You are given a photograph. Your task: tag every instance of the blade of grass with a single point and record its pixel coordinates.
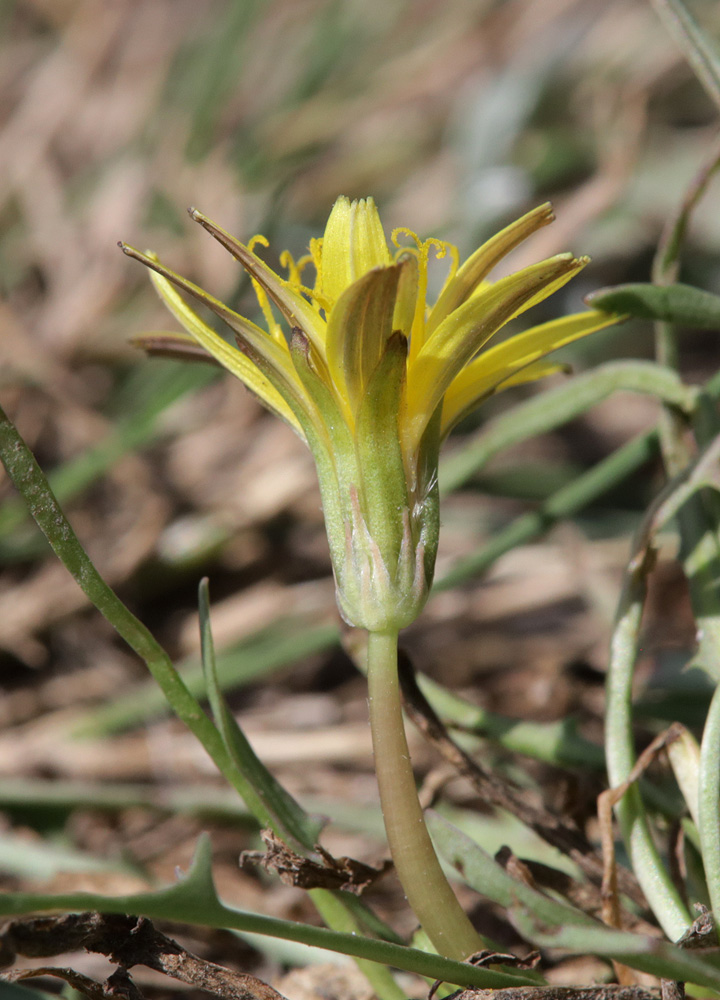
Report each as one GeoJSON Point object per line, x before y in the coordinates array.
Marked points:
{"type": "Point", "coordinates": [38, 795]}
{"type": "Point", "coordinates": [708, 799]}
{"type": "Point", "coordinates": [486, 876]}
{"type": "Point", "coordinates": [672, 303]}
{"type": "Point", "coordinates": [273, 806]}
{"type": "Point", "coordinates": [700, 518]}
{"type": "Point", "coordinates": [647, 954]}
{"type": "Point", "coordinates": [555, 743]}
{"type": "Point", "coordinates": [42, 860]}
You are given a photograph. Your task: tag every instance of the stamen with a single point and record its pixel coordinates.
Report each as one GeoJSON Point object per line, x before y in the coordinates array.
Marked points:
{"type": "Point", "coordinates": [294, 272]}
{"type": "Point", "coordinates": [404, 231]}
{"type": "Point", "coordinates": [287, 261]}
{"type": "Point", "coordinates": [303, 262]}
{"type": "Point", "coordinates": [422, 249]}
{"type": "Point", "coordinates": [274, 328]}
{"type": "Point", "coordinates": [258, 238]}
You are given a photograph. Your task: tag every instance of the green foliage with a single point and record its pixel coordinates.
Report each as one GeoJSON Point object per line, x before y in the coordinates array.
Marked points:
{"type": "Point", "coordinates": [273, 807]}
{"type": "Point", "coordinates": [680, 304]}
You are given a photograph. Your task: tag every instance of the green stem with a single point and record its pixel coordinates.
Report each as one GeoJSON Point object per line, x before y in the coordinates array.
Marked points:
{"type": "Point", "coordinates": [709, 797]}
{"type": "Point", "coordinates": [651, 872]}
{"type": "Point", "coordinates": [426, 888]}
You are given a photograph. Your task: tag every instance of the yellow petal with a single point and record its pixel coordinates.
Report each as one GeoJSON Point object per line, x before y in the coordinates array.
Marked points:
{"type": "Point", "coordinates": [354, 243]}
{"type": "Point", "coordinates": [516, 360]}
{"type": "Point", "coordinates": [533, 372]}
{"type": "Point", "coordinates": [478, 265]}
{"type": "Point", "coordinates": [407, 295]}
{"type": "Point", "coordinates": [296, 309]}
{"type": "Point", "coordinates": [470, 388]}
{"type": "Point", "coordinates": [228, 356]}
{"type": "Point", "coordinates": [461, 335]}
{"type": "Point", "coordinates": [278, 372]}
{"type": "Point", "coordinates": [359, 326]}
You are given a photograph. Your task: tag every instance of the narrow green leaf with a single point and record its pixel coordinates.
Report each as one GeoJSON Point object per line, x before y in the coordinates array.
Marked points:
{"type": "Point", "coordinates": [708, 798]}
{"type": "Point", "coordinates": [336, 910]}
{"type": "Point", "coordinates": [645, 953]}
{"type": "Point", "coordinates": [570, 500]}
{"type": "Point", "coordinates": [485, 875]}
{"type": "Point", "coordinates": [194, 900]}
{"type": "Point", "coordinates": [269, 802]}
{"type": "Point", "coordinates": [648, 865]}
{"type": "Point", "coordinates": [678, 303]}
{"type": "Point", "coordinates": [43, 859]}
{"type": "Point", "coordinates": [200, 799]}
{"type": "Point", "coordinates": [556, 743]}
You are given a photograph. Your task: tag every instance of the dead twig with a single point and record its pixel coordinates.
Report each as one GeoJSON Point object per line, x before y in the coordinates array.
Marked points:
{"type": "Point", "coordinates": [702, 933]}
{"type": "Point", "coordinates": [118, 985]}
{"type": "Point", "coordinates": [607, 801]}
{"type": "Point", "coordinates": [304, 873]}
{"type": "Point", "coordinates": [127, 941]}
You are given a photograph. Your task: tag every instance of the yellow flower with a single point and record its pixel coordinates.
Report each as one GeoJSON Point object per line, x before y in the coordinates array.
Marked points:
{"type": "Point", "coordinates": [374, 379]}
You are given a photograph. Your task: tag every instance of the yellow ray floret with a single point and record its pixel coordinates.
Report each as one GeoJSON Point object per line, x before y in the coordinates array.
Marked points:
{"type": "Point", "coordinates": [515, 361]}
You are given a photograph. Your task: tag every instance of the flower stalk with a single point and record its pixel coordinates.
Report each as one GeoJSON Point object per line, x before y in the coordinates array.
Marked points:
{"type": "Point", "coordinates": [423, 880]}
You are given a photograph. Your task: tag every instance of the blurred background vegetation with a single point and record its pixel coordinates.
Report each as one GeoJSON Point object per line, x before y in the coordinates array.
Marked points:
{"type": "Point", "coordinates": [455, 116]}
